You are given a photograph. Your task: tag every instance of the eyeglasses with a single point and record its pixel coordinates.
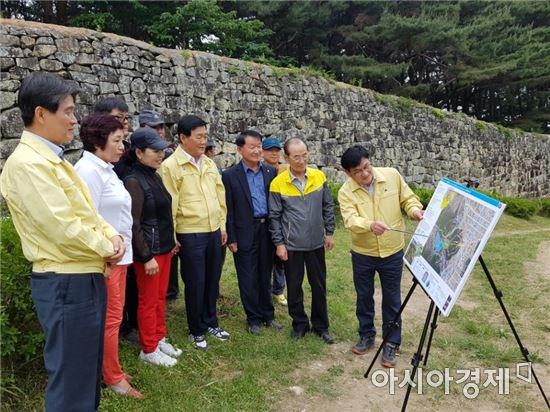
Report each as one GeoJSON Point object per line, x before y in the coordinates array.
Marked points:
{"type": "Point", "coordinates": [123, 118]}
{"type": "Point", "coordinates": [297, 158]}
{"type": "Point", "coordinates": [359, 171]}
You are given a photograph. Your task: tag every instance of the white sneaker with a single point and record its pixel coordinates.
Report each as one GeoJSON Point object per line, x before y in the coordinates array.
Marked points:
{"type": "Point", "coordinates": [168, 349]}
{"type": "Point", "coordinates": [198, 341]}
{"type": "Point", "coordinates": [219, 333]}
{"type": "Point", "coordinates": [157, 358]}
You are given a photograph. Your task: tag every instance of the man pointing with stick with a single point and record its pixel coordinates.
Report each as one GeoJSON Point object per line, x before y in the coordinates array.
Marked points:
{"type": "Point", "coordinates": [371, 201]}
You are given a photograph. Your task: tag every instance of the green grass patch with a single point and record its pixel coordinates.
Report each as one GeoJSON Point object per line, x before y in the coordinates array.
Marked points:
{"type": "Point", "coordinates": [250, 373]}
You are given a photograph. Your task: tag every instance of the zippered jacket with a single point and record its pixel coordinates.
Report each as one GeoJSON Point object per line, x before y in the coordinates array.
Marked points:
{"type": "Point", "coordinates": [152, 228]}
{"type": "Point", "coordinates": [391, 196]}
{"type": "Point", "coordinates": [301, 220]}
{"type": "Point", "coordinates": [53, 212]}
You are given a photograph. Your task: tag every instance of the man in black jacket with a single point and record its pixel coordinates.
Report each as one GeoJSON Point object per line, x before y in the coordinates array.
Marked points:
{"type": "Point", "coordinates": [247, 193]}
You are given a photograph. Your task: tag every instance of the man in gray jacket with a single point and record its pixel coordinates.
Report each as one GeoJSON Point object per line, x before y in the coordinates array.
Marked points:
{"type": "Point", "coordinates": [301, 225]}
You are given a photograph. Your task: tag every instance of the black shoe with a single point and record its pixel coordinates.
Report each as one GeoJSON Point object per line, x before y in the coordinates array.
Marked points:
{"type": "Point", "coordinates": [389, 355]}
{"type": "Point", "coordinates": [363, 345]}
{"type": "Point", "coordinates": [298, 333]}
{"type": "Point", "coordinates": [273, 324]}
{"type": "Point", "coordinates": [131, 337]}
{"type": "Point", "coordinates": [326, 336]}
{"type": "Point", "coordinates": [253, 330]}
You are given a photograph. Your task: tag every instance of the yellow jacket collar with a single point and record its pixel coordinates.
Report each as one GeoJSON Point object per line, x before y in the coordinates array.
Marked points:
{"type": "Point", "coordinates": [39, 147]}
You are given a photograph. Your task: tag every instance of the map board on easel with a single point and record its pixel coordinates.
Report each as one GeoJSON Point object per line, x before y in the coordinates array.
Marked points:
{"type": "Point", "coordinates": [448, 241]}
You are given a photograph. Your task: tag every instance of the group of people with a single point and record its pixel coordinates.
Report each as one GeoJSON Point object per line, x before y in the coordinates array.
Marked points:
{"type": "Point", "coordinates": [138, 205]}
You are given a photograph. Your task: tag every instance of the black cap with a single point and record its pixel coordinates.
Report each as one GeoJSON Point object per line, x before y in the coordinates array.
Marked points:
{"type": "Point", "coordinates": [145, 137]}
{"type": "Point", "coordinates": [210, 143]}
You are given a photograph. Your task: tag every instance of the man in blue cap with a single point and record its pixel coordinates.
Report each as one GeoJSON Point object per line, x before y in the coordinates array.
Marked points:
{"type": "Point", "coordinates": [271, 153]}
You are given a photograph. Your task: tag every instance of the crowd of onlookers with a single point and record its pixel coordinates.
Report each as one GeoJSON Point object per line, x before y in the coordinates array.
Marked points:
{"type": "Point", "coordinates": [110, 237]}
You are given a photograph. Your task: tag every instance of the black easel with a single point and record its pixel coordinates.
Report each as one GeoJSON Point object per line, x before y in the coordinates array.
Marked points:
{"type": "Point", "coordinates": [432, 316]}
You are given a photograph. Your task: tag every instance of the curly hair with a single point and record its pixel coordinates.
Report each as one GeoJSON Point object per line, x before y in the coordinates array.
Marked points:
{"type": "Point", "coordinates": [95, 130]}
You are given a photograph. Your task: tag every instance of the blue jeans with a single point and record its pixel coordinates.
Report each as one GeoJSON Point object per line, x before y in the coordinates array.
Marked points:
{"type": "Point", "coordinates": [389, 269]}
{"type": "Point", "coordinates": [71, 309]}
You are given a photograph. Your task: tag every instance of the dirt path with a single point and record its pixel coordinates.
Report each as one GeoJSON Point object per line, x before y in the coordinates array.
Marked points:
{"type": "Point", "coordinates": [336, 383]}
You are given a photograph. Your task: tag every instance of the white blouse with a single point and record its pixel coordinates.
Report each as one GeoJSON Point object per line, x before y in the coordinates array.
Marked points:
{"type": "Point", "coordinates": [110, 197]}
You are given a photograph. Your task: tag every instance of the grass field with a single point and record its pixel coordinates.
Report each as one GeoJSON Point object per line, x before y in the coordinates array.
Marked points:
{"type": "Point", "coordinates": [251, 373]}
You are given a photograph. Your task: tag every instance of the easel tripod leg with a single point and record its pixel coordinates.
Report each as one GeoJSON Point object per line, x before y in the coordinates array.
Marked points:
{"type": "Point", "coordinates": [498, 294]}
{"type": "Point", "coordinates": [433, 327]}
{"type": "Point", "coordinates": [417, 357]}
{"type": "Point", "coordinates": [392, 325]}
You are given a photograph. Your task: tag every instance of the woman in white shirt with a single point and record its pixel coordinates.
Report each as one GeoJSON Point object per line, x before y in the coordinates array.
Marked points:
{"type": "Point", "coordinates": [102, 136]}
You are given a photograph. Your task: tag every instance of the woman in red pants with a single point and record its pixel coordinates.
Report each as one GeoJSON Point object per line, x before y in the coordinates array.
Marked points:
{"type": "Point", "coordinates": [153, 244]}
{"type": "Point", "coordinates": [102, 136]}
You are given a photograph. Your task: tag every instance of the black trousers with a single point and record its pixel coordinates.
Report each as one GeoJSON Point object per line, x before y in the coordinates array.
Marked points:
{"type": "Point", "coordinates": [314, 261]}
{"type": "Point", "coordinates": [129, 313]}
{"type": "Point", "coordinates": [254, 275]}
{"type": "Point", "coordinates": [71, 310]}
{"type": "Point", "coordinates": [201, 266]}
{"type": "Point", "coordinates": [173, 282]}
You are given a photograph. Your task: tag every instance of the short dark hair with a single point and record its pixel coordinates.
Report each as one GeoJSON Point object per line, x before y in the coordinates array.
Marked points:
{"type": "Point", "coordinates": [352, 157]}
{"type": "Point", "coordinates": [188, 123]}
{"type": "Point", "coordinates": [95, 130]}
{"type": "Point", "coordinates": [109, 103]}
{"type": "Point", "coordinates": [291, 141]}
{"type": "Point", "coordinates": [43, 89]}
{"type": "Point", "coordinates": [241, 138]}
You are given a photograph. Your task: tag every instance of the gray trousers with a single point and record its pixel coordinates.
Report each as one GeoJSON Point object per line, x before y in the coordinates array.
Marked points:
{"type": "Point", "coordinates": [71, 309]}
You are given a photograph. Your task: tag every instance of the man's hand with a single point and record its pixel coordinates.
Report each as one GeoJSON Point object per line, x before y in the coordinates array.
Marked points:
{"type": "Point", "coordinates": [224, 237]}
{"type": "Point", "coordinates": [418, 214]}
{"type": "Point", "coordinates": [176, 249]}
{"type": "Point", "coordinates": [119, 248]}
{"type": "Point", "coordinates": [151, 267]}
{"type": "Point", "coordinates": [107, 272]}
{"type": "Point", "coordinates": [282, 253]}
{"type": "Point", "coordinates": [233, 247]}
{"type": "Point", "coordinates": [329, 243]}
{"type": "Point", "coordinates": [378, 227]}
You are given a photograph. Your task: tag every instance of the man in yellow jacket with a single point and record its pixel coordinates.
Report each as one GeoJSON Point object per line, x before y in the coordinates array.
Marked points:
{"type": "Point", "coordinates": [199, 211]}
{"type": "Point", "coordinates": [371, 201]}
{"type": "Point", "coordinates": [68, 243]}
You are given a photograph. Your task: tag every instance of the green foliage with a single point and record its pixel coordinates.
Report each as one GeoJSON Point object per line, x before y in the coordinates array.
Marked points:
{"type": "Point", "coordinates": [438, 113]}
{"type": "Point", "coordinates": [186, 54]}
{"type": "Point", "coordinates": [481, 126]}
{"type": "Point", "coordinates": [334, 188]}
{"type": "Point", "coordinates": [203, 25]}
{"type": "Point", "coordinates": [508, 133]}
{"type": "Point", "coordinates": [545, 207]}
{"type": "Point", "coordinates": [522, 208]}
{"type": "Point", "coordinates": [402, 104]}
{"type": "Point", "coordinates": [488, 59]}
{"type": "Point", "coordinates": [22, 337]}
{"type": "Point", "coordinates": [424, 194]}
{"type": "Point", "coordinates": [95, 21]}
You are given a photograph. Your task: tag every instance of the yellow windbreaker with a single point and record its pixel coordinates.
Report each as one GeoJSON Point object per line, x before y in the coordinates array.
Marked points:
{"type": "Point", "coordinates": [198, 197]}
{"type": "Point", "coordinates": [359, 210]}
{"type": "Point", "coordinates": [53, 213]}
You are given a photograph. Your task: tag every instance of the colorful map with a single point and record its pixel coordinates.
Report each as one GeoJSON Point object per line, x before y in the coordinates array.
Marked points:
{"type": "Point", "coordinates": [457, 223]}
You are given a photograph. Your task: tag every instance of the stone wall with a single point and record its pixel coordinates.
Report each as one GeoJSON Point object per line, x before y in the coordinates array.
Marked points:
{"type": "Point", "coordinates": [423, 143]}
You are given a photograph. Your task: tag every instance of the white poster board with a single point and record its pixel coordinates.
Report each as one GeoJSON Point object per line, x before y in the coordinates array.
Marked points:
{"type": "Point", "coordinates": [448, 241]}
